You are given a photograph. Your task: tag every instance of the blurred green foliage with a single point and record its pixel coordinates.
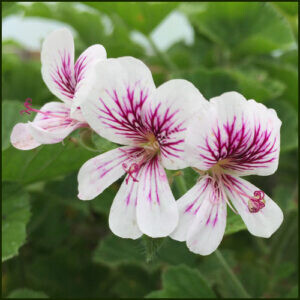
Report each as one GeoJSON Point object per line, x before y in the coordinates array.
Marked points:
{"type": "Point", "coordinates": [54, 245]}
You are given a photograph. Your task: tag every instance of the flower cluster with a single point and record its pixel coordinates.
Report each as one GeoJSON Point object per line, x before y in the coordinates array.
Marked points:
{"type": "Point", "coordinates": [167, 127]}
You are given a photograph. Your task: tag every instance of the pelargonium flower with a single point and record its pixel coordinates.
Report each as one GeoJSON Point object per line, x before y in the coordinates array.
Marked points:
{"type": "Point", "coordinates": [232, 138]}
{"type": "Point", "coordinates": [124, 107]}
{"type": "Point", "coordinates": [56, 120]}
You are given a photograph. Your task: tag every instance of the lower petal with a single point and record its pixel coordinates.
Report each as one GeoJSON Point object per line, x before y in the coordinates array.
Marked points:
{"type": "Point", "coordinates": [202, 218]}
{"type": "Point", "coordinates": [157, 214]}
{"type": "Point", "coordinates": [122, 216]}
{"type": "Point", "coordinates": [21, 138]}
{"type": "Point", "coordinates": [100, 172]}
{"type": "Point", "coordinates": [262, 223]}
{"type": "Point", "coordinates": [188, 206]}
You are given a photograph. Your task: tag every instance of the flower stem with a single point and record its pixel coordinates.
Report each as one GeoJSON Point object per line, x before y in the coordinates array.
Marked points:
{"type": "Point", "coordinates": [152, 247]}
{"type": "Point", "coordinates": [180, 184]}
{"type": "Point", "coordinates": [239, 287]}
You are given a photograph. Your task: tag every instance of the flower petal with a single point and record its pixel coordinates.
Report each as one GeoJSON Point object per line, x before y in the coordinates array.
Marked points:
{"type": "Point", "coordinates": [262, 223]}
{"type": "Point", "coordinates": [116, 92]}
{"type": "Point", "coordinates": [54, 126]}
{"type": "Point", "coordinates": [244, 135]}
{"type": "Point", "coordinates": [122, 216]}
{"type": "Point", "coordinates": [100, 172]}
{"type": "Point", "coordinates": [83, 66]}
{"type": "Point", "coordinates": [157, 214]}
{"type": "Point", "coordinates": [202, 218]}
{"type": "Point", "coordinates": [167, 114]}
{"type": "Point", "coordinates": [21, 138]}
{"type": "Point", "coordinates": [57, 57]}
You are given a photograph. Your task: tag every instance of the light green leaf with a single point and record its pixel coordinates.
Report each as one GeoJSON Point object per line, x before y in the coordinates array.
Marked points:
{"type": "Point", "coordinates": [15, 216]}
{"type": "Point", "coordinates": [44, 162]}
{"type": "Point", "coordinates": [139, 16]}
{"type": "Point", "coordinates": [183, 282]}
{"type": "Point", "coordinates": [10, 117]}
{"type": "Point", "coordinates": [253, 84]}
{"type": "Point", "coordinates": [27, 293]}
{"type": "Point", "coordinates": [244, 27]}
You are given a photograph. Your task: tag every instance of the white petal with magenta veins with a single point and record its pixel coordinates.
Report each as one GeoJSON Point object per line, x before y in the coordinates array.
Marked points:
{"type": "Point", "coordinates": [157, 214]}
{"type": "Point", "coordinates": [116, 93]}
{"type": "Point", "coordinates": [266, 220]}
{"type": "Point", "coordinates": [243, 136]}
{"type": "Point", "coordinates": [202, 218]}
{"type": "Point", "coordinates": [167, 114]}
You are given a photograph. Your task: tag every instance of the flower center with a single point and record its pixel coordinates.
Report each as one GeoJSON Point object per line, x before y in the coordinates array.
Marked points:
{"type": "Point", "coordinates": [255, 203]}
{"type": "Point", "coordinates": [151, 145]}
{"type": "Point", "coordinates": [28, 104]}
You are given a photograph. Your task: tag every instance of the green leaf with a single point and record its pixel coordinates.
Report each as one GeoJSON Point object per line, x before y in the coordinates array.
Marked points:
{"type": "Point", "coordinates": [244, 27]}
{"type": "Point", "coordinates": [289, 127]}
{"type": "Point", "coordinates": [293, 293]}
{"type": "Point", "coordinates": [143, 17]}
{"type": "Point", "coordinates": [27, 294]}
{"type": "Point", "coordinates": [44, 162]}
{"type": "Point", "coordinates": [22, 78]}
{"type": "Point", "coordinates": [183, 282]}
{"type": "Point", "coordinates": [287, 74]}
{"type": "Point", "coordinates": [114, 251]}
{"type": "Point", "coordinates": [81, 21]}
{"type": "Point", "coordinates": [253, 84]}
{"type": "Point", "coordinates": [10, 117]}
{"type": "Point", "coordinates": [117, 43]}
{"type": "Point", "coordinates": [15, 216]}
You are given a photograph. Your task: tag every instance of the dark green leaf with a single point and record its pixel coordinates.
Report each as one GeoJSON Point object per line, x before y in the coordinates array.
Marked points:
{"type": "Point", "coordinates": [15, 216]}
{"type": "Point", "coordinates": [26, 293]}
{"type": "Point", "coordinates": [44, 162]}
{"type": "Point", "coordinates": [183, 282]}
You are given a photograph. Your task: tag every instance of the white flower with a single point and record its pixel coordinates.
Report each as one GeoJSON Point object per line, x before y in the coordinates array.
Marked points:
{"type": "Point", "coordinates": [55, 120]}
{"type": "Point", "coordinates": [233, 138]}
{"type": "Point", "coordinates": [123, 105]}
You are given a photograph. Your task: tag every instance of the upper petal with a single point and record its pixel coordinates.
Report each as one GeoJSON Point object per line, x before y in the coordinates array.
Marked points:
{"type": "Point", "coordinates": [57, 57]}
{"type": "Point", "coordinates": [54, 126]}
{"type": "Point", "coordinates": [122, 216]}
{"type": "Point", "coordinates": [157, 214]}
{"type": "Point", "coordinates": [244, 135]}
{"type": "Point", "coordinates": [116, 92]}
{"type": "Point", "coordinates": [83, 66]}
{"type": "Point", "coordinates": [21, 137]}
{"type": "Point", "coordinates": [202, 219]}
{"type": "Point", "coordinates": [101, 171]}
{"type": "Point", "coordinates": [167, 114]}
{"type": "Point", "coordinates": [262, 223]}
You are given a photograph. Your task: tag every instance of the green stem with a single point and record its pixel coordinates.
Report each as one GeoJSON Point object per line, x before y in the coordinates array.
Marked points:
{"type": "Point", "coordinates": [180, 184]}
{"type": "Point", "coordinates": [152, 247]}
{"type": "Point", "coordinates": [239, 287]}
{"type": "Point", "coordinates": [162, 55]}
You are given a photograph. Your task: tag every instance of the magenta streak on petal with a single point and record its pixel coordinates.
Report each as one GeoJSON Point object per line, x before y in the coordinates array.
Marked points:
{"type": "Point", "coordinates": [125, 117]}
{"type": "Point", "coordinates": [79, 68]}
{"type": "Point", "coordinates": [229, 180]}
{"type": "Point", "coordinates": [164, 125]}
{"type": "Point", "coordinates": [202, 189]}
{"type": "Point", "coordinates": [244, 148]}
{"type": "Point", "coordinates": [63, 76]}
